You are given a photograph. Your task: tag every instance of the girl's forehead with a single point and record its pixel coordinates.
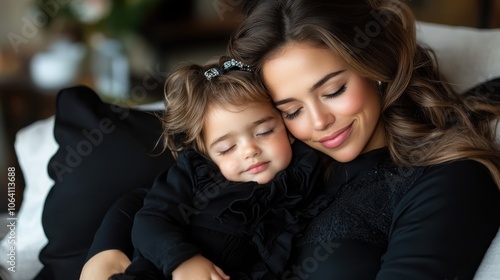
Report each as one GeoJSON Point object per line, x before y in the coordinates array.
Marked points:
{"type": "Point", "coordinates": [240, 108]}
{"type": "Point", "coordinates": [238, 114]}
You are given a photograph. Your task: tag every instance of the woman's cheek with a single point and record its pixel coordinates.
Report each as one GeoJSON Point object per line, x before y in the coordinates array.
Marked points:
{"type": "Point", "coordinates": [299, 128]}
{"type": "Point", "coordinates": [352, 105]}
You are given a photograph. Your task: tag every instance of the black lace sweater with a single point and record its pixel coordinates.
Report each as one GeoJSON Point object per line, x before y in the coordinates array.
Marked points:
{"type": "Point", "coordinates": [389, 222]}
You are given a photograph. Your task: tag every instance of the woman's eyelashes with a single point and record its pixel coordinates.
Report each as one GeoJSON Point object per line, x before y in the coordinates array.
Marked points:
{"type": "Point", "coordinates": [291, 116]}
{"type": "Point", "coordinates": [337, 93]}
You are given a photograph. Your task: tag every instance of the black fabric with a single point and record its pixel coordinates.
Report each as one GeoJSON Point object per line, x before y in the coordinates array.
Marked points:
{"type": "Point", "coordinates": [360, 256]}
{"type": "Point", "coordinates": [104, 152]}
{"type": "Point", "coordinates": [115, 229]}
{"type": "Point", "coordinates": [489, 89]}
{"type": "Point", "coordinates": [443, 225]}
{"type": "Point", "coordinates": [401, 223]}
{"type": "Point", "coordinates": [193, 209]}
{"type": "Point", "coordinates": [363, 209]}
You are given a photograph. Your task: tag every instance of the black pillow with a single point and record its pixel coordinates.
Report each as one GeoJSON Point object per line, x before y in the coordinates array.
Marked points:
{"type": "Point", "coordinates": [104, 152]}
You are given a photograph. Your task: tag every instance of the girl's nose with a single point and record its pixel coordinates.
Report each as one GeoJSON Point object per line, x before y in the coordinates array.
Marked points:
{"type": "Point", "coordinates": [251, 150]}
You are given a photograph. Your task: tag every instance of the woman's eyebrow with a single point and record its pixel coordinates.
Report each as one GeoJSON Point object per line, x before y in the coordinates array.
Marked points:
{"type": "Point", "coordinates": [281, 102]}
{"type": "Point", "coordinates": [325, 79]}
{"type": "Point", "coordinates": [317, 85]}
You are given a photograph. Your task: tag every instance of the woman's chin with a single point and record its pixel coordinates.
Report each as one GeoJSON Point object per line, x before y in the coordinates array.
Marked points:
{"type": "Point", "coordinates": [341, 154]}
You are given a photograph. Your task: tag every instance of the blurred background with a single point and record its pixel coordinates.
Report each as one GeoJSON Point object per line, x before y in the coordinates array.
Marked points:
{"type": "Point", "coordinates": [124, 49]}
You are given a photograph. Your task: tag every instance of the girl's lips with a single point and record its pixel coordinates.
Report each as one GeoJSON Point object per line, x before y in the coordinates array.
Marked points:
{"type": "Point", "coordinates": [336, 139]}
{"type": "Point", "coordinates": [257, 168]}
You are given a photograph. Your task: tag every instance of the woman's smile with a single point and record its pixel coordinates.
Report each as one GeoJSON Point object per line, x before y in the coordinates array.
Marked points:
{"type": "Point", "coordinates": [337, 138]}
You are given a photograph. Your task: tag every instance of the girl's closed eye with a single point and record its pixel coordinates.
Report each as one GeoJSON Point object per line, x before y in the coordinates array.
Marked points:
{"type": "Point", "coordinates": [224, 151]}
{"type": "Point", "coordinates": [265, 132]}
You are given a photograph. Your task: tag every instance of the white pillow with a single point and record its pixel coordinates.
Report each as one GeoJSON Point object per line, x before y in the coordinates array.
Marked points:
{"type": "Point", "coordinates": [490, 266]}
{"type": "Point", "coordinates": [34, 146]}
{"type": "Point", "coordinates": [467, 56]}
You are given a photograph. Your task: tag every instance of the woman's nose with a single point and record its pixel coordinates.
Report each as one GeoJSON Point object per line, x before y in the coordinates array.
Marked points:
{"type": "Point", "coordinates": [321, 117]}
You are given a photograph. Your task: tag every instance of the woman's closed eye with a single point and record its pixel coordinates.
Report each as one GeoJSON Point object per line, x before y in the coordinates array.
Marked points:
{"type": "Point", "coordinates": [291, 116]}
{"type": "Point", "coordinates": [337, 93]}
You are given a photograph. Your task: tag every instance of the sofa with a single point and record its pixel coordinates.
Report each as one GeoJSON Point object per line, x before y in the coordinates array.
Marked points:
{"type": "Point", "coordinates": [467, 57]}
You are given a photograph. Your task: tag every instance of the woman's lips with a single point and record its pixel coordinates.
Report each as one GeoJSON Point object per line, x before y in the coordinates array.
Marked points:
{"type": "Point", "coordinates": [336, 139]}
{"type": "Point", "coordinates": [258, 167]}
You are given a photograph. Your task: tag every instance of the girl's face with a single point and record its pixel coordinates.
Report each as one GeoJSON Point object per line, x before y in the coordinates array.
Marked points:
{"type": "Point", "coordinates": [324, 103]}
{"type": "Point", "coordinates": [247, 143]}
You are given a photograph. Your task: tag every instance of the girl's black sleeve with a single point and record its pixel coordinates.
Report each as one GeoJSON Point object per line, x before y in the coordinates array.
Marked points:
{"type": "Point", "coordinates": [160, 226]}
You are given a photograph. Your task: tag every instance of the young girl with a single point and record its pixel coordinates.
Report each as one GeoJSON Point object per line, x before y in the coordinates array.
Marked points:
{"type": "Point", "coordinates": [230, 206]}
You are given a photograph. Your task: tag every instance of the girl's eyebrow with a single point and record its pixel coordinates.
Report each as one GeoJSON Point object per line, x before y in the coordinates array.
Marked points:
{"type": "Point", "coordinates": [317, 85]}
{"type": "Point", "coordinates": [252, 125]}
{"type": "Point", "coordinates": [262, 120]}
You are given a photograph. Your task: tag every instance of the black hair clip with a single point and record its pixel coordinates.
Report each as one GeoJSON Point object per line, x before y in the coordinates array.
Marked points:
{"type": "Point", "coordinates": [226, 67]}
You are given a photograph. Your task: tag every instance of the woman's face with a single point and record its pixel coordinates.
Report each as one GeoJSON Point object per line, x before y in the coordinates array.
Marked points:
{"type": "Point", "coordinates": [324, 103]}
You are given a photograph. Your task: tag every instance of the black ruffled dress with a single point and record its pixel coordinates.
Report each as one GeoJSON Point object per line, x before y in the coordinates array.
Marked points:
{"type": "Point", "coordinates": [244, 228]}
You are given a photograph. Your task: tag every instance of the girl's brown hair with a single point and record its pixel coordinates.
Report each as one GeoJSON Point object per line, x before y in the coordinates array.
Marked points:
{"type": "Point", "coordinates": [189, 95]}
{"type": "Point", "coordinates": [426, 122]}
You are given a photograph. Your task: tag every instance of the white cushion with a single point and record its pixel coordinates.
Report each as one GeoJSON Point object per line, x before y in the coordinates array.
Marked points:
{"type": "Point", "coordinates": [467, 56]}
{"type": "Point", "coordinates": [490, 266]}
{"type": "Point", "coordinates": [34, 145]}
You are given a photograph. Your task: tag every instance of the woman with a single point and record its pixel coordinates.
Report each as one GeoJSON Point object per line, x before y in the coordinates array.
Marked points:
{"type": "Point", "coordinates": [349, 79]}
{"type": "Point", "coordinates": [418, 173]}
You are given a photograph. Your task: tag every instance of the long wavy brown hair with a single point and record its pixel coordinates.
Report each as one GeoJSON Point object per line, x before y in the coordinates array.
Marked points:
{"type": "Point", "coordinates": [189, 95]}
{"type": "Point", "coordinates": [426, 122]}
